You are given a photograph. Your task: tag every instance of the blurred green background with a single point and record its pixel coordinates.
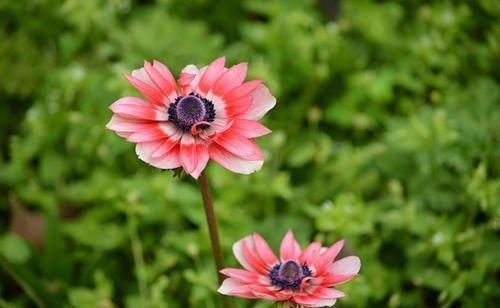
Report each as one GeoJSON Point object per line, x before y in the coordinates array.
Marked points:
{"type": "Point", "coordinates": [386, 133]}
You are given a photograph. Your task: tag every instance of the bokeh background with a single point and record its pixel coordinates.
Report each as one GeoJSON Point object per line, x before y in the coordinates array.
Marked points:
{"type": "Point", "coordinates": [386, 133]}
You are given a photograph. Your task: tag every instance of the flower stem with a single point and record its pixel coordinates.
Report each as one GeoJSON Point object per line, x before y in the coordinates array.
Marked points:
{"type": "Point", "coordinates": [212, 229]}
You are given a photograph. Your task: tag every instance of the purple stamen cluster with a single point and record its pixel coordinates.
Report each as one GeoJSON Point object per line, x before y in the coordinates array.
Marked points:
{"type": "Point", "coordinates": [190, 109]}
{"type": "Point", "coordinates": [289, 274]}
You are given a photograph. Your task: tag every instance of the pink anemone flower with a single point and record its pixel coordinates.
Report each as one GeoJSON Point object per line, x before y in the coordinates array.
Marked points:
{"type": "Point", "coordinates": [299, 278]}
{"type": "Point", "coordinates": [209, 113]}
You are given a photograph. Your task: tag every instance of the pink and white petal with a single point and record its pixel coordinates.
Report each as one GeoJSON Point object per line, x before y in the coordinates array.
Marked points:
{"type": "Point", "coordinates": [167, 75]}
{"type": "Point", "coordinates": [239, 145]}
{"type": "Point", "coordinates": [167, 145]}
{"type": "Point", "coordinates": [268, 293]}
{"type": "Point", "coordinates": [138, 109]}
{"type": "Point", "coordinates": [306, 300]}
{"type": "Point", "coordinates": [238, 106]}
{"type": "Point", "coordinates": [203, 157]}
{"type": "Point", "coordinates": [153, 94]}
{"type": "Point", "coordinates": [240, 255]}
{"type": "Point", "coordinates": [141, 74]}
{"type": "Point", "coordinates": [232, 162]}
{"type": "Point", "coordinates": [166, 84]}
{"type": "Point", "coordinates": [324, 302]}
{"type": "Point", "coordinates": [249, 128]}
{"type": "Point", "coordinates": [229, 285]}
{"type": "Point", "coordinates": [345, 269]}
{"type": "Point", "coordinates": [188, 153]}
{"type": "Point", "coordinates": [253, 258]}
{"type": "Point", "coordinates": [144, 150]}
{"type": "Point", "coordinates": [246, 276]}
{"type": "Point", "coordinates": [309, 255]}
{"type": "Point", "coordinates": [153, 134]}
{"type": "Point", "coordinates": [230, 79]}
{"type": "Point", "coordinates": [211, 75]}
{"type": "Point", "coordinates": [323, 292]}
{"type": "Point", "coordinates": [170, 160]}
{"type": "Point", "coordinates": [123, 125]}
{"type": "Point", "coordinates": [187, 76]}
{"type": "Point", "coordinates": [328, 256]}
{"type": "Point", "coordinates": [289, 249]}
{"type": "Point", "coordinates": [219, 106]}
{"type": "Point", "coordinates": [263, 101]}
{"type": "Point", "coordinates": [264, 251]}
{"type": "Point", "coordinates": [244, 89]}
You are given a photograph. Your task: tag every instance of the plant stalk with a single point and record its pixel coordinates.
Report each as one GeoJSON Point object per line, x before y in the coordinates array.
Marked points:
{"type": "Point", "coordinates": [212, 229]}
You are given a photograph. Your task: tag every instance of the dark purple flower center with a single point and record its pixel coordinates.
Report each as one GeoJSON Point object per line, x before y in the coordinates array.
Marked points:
{"type": "Point", "coordinates": [289, 274]}
{"type": "Point", "coordinates": [190, 109]}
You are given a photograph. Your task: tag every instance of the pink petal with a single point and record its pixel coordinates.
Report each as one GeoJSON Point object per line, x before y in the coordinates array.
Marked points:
{"type": "Point", "coordinates": [203, 157]}
{"type": "Point", "coordinates": [167, 75]}
{"type": "Point", "coordinates": [211, 75]}
{"type": "Point", "coordinates": [231, 78]}
{"type": "Point", "coordinates": [167, 145]}
{"type": "Point", "coordinates": [123, 125]}
{"type": "Point", "coordinates": [324, 303]}
{"type": "Point", "coordinates": [144, 150]}
{"type": "Point", "coordinates": [148, 90]}
{"type": "Point", "coordinates": [264, 251]}
{"type": "Point", "coordinates": [263, 101]}
{"type": "Point", "coordinates": [246, 276]}
{"type": "Point", "coordinates": [193, 154]}
{"type": "Point", "coordinates": [268, 293]}
{"type": "Point", "coordinates": [328, 256]}
{"type": "Point", "coordinates": [289, 249]}
{"type": "Point", "coordinates": [187, 75]}
{"type": "Point", "coordinates": [240, 255]}
{"type": "Point", "coordinates": [344, 269]}
{"type": "Point", "coordinates": [325, 293]}
{"type": "Point", "coordinates": [149, 135]}
{"type": "Point", "coordinates": [232, 162]}
{"type": "Point", "coordinates": [304, 300]}
{"type": "Point", "coordinates": [242, 90]}
{"type": "Point", "coordinates": [138, 109]}
{"type": "Point", "coordinates": [249, 128]}
{"type": "Point", "coordinates": [237, 106]}
{"type": "Point", "coordinates": [228, 285]}
{"type": "Point", "coordinates": [239, 145]}
{"type": "Point", "coordinates": [253, 258]}
{"type": "Point", "coordinates": [170, 160]}
{"type": "Point", "coordinates": [166, 84]}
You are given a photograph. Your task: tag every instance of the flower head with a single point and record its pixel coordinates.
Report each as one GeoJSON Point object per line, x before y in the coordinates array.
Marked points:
{"type": "Point", "coordinates": [208, 113]}
{"type": "Point", "coordinates": [303, 278]}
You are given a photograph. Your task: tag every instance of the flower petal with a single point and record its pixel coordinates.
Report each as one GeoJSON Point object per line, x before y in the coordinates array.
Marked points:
{"type": "Point", "coordinates": [230, 79]}
{"type": "Point", "coordinates": [232, 162]}
{"type": "Point", "coordinates": [164, 82]}
{"type": "Point", "coordinates": [169, 160]}
{"type": "Point", "coordinates": [239, 145]}
{"type": "Point", "coordinates": [325, 293]}
{"type": "Point", "coordinates": [193, 154]}
{"type": "Point", "coordinates": [263, 101]}
{"type": "Point", "coordinates": [211, 75]}
{"type": "Point", "coordinates": [246, 276]}
{"type": "Point", "coordinates": [149, 90]}
{"type": "Point", "coordinates": [249, 128]}
{"type": "Point", "coordinates": [138, 109]}
{"type": "Point", "coordinates": [264, 251]}
{"type": "Point", "coordinates": [229, 285]}
{"type": "Point", "coordinates": [289, 249]}
{"type": "Point", "coordinates": [344, 269]}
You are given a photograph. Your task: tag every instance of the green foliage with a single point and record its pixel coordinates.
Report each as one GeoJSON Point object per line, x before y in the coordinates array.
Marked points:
{"type": "Point", "coordinates": [386, 133]}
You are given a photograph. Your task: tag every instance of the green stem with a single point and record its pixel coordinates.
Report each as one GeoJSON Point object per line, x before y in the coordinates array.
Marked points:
{"type": "Point", "coordinates": [23, 284]}
{"type": "Point", "coordinates": [138, 260]}
{"type": "Point", "coordinates": [212, 229]}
